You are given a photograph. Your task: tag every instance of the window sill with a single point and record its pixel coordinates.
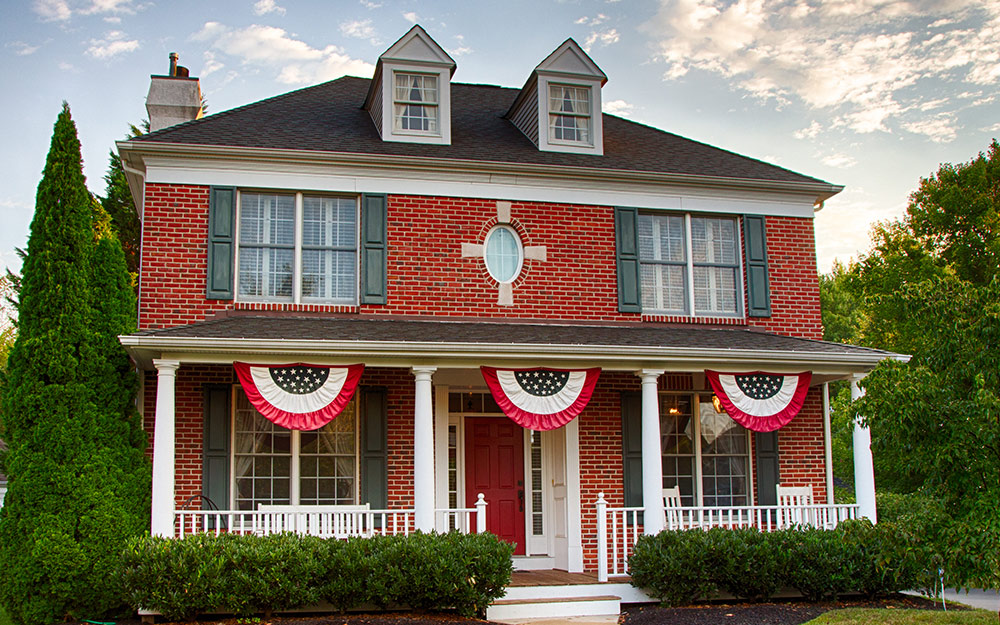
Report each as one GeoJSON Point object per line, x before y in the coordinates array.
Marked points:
{"type": "Point", "coordinates": [289, 307]}
{"type": "Point", "coordinates": [722, 321]}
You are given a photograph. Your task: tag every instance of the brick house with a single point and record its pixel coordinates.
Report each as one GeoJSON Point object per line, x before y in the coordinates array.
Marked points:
{"type": "Point", "coordinates": [427, 228]}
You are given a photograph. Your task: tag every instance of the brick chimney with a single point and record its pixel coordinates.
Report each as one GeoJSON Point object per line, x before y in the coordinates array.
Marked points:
{"type": "Point", "coordinates": [173, 99]}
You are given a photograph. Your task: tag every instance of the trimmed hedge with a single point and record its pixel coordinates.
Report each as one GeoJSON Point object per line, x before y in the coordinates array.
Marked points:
{"type": "Point", "coordinates": [247, 575]}
{"type": "Point", "coordinates": [679, 567]}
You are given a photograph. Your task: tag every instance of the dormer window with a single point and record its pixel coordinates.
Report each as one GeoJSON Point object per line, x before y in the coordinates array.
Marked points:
{"type": "Point", "coordinates": [410, 95]}
{"type": "Point", "coordinates": [569, 114]}
{"type": "Point", "coordinates": [415, 103]}
{"type": "Point", "coordinates": [559, 108]}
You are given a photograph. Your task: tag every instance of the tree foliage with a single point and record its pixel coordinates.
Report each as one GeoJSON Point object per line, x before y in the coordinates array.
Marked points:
{"type": "Point", "coordinates": [118, 203]}
{"type": "Point", "coordinates": [930, 288]}
{"type": "Point", "coordinates": [77, 474]}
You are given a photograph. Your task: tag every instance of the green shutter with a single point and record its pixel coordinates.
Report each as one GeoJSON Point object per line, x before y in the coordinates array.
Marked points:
{"type": "Point", "coordinates": [758, 291]}
{"type": "Point", "coordinates": [632, 448]}
{"type": "Point", "coordinates": [627, 257]}
{"type": "Point", "coordinates": [374, 448]}
{"type": "Point", "coordinates": [221, 241]}
{"type": "Point", "coordinates": [766, 447]}
{"type": "Point", "coordinates": [374, 249]}
{"type": "Point", "coordinates": [215, 458]}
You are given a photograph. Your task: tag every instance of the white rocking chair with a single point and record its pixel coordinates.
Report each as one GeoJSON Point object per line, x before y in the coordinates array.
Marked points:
{"type": "Point", "coordinates": [793, 506]}
{"type": "Point", "coordinates": [671, 507]}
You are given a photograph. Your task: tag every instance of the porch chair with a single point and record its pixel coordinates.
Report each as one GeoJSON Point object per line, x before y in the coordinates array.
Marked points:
{"type": "Point", "coordinates": [792, 503]}
{"type": "Point", "coordinates": [671, 505]}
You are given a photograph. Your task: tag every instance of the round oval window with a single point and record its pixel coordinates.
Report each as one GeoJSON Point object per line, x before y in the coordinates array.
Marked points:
{"type": "Point", "coordinates": [503, 254]}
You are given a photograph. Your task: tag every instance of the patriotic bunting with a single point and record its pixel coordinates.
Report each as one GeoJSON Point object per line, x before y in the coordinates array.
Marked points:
{"type": "Point", "coordinates": [762, 402]}
{"type": "Point", "coordinates": [298, 396]}
{"type": "Point", "coordinates": [541, 399]}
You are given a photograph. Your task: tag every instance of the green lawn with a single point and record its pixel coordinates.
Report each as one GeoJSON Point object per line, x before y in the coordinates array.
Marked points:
{"type": "Point", "coordinates": [4, 619]}
{"type": "Point", "coordinates": [864, 616]}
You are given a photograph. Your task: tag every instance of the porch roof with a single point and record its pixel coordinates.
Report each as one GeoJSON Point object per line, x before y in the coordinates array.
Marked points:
{"type": "Point", "coordinates": [407, 342]}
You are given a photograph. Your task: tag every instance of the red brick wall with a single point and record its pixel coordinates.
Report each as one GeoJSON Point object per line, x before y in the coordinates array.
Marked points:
{"type": "Point", "coordinates": [189, 423]}
{"type": "Point", "coordinates": [791, 259]}
{"type": "Point", "coordinates": [428, 275]}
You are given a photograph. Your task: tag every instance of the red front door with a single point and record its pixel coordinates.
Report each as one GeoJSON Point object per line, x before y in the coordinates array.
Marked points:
{"type": "Point", "coordinates": [494, 466]}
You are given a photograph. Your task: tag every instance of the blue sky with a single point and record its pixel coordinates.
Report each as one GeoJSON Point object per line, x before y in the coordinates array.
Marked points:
{"type": "Point", "coordinates": [871, 94]}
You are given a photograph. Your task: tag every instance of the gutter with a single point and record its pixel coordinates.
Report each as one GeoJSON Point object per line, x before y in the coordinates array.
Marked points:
{"type": "Point", "coordinates": [823, 190]}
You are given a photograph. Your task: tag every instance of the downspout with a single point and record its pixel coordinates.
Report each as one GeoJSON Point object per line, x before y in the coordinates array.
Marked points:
{"type": "Point", "coordinates": [827, 443]}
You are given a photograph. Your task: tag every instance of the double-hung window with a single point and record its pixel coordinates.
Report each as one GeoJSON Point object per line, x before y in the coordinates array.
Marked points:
{"type": "Point", "coordinates": [690, 265]}
{"type": "Point", "coordinates": [272, 465]}
{"type": "Point", "coordinates": [570, 114]}
{"type": "Point", "coordinates": [298, 248]}
{"type": "Point", "coordinates": [416, 103]}
{"type": "Point", "coordinates": [705, 453]}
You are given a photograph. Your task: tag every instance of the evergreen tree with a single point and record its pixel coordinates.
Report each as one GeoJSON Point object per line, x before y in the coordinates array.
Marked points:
{"type": "Point", "coordinates": [74, 462]}
{"type": "Point", "coordinates": [118, 203]}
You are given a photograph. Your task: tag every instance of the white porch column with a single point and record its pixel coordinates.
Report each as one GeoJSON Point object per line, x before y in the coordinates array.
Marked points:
{"type": "Point", "coordinates": [864, 468]}
{"type": "Point", "coordinates": [163, 449]}
{"type": "Point", "coordinates": [827, 444]}
{"type": "Point", "coordinates": [423, 450]}
{"type": "Point", "coordinates": [652, 455]}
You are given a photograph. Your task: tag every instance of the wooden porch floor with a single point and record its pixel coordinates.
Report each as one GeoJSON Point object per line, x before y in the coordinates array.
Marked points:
{"type": "Point", "coordinates": [556, 577]}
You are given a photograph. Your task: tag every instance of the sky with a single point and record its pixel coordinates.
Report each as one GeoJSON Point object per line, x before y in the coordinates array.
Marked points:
{"type": "Point", "coordinates": [869, 94]}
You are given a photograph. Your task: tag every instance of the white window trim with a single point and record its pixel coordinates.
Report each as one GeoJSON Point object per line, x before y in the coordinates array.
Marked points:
{"type": "Point", "coordinates": [389, 132]}
{"type": "Point", "coordinates": [689, 271]}
{"type": "Point", "coordinates": [297, 252]}
{"type": "Point", "coordinates": [520, 252]}
{"type": "Point", "coordinates": [295, 471]}
{"type": "Point", "coordinates": [545, 143]}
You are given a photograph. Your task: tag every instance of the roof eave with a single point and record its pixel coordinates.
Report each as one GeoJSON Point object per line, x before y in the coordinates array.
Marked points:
{"type": "Point", "coordinates": [822, 190]}
{"type": "Point", "coordinates": [144, 349]}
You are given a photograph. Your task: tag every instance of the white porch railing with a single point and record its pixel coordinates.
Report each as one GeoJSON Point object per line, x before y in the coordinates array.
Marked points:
{"type": "Point", "coordinates": [326, 522]}
{"type": "Point", "coordinates": [618, 529]}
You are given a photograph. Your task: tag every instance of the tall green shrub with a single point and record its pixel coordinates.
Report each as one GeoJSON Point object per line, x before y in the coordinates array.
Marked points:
{"type": "Point", "coordinates": [74, 464]}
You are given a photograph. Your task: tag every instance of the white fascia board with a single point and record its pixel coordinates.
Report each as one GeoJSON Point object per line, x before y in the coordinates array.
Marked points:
{"type": "Point", "coordinates": [406, 354]}
{"type": "Point", "coordinates": [523, 188]}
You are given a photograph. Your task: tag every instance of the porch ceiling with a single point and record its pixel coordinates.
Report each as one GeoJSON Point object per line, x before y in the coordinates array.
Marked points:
{"type": "Point", "coordinates": [404, 343]}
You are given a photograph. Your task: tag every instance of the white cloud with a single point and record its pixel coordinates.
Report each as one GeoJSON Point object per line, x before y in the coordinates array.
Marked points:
{"type": "Point", "coordinates": [52, 10]}
{"type": "Point", "coordinates": [109, 6]}
{"type": "Point", "coordinates": [66, 67]}
{"type": "Point", "coordinates": [994, 128]}
{"type": "Point", "coordinates": [809, 133]}
{"type": "Point", "coordinates": [597, 20]}
{"type": "Point", "coordinates": [113, 44]}
{"type": "Point", "coordinates": [295, 61]}
{"type": "Point", "coordinates": [211, 64]}
{"type": "Point", "coordinates": [605, 38]}
{"type": "Point", "coordinates": [113, 19]}
{"type": "Point", "coordinates": [411, 17]}
{"type": "Point", "coordinates": [361, 29]}
{"type": "Point", "coordinates": [368, 4]}
{"type": "Point", "coordinates": [839, 160]}
{"type": "Point", "coordinates": [21, 48]}
{"type": "Point", "coordinates": [868, 63]}
{"type": "Point", "coordinates": [618, 107]}
{"type": "Point", "coordinates": [263, 7]}
{"type": "Point", "coordinates": [939, 129]}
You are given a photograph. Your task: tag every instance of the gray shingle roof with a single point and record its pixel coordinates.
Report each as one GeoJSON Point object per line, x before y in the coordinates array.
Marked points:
{"type": "Point", "coordinates": [500, 333]}
{"type": "Point", "coordinates": [329, 118]}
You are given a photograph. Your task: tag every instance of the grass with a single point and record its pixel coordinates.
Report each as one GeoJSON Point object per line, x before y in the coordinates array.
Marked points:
{"type": "Point", "coordinates": [4, 619]}
{"type": "Point", "coordinates": [866, 616]}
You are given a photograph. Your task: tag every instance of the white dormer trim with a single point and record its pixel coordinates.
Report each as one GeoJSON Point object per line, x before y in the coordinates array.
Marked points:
{"type": "Point", "coordinates": [415, 53]}
{"type": "Point", "coordinates": [567, 66]}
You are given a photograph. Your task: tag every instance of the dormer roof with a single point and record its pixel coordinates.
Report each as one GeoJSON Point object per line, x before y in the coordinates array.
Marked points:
{"type": "Point", "coordinates": [570, 59]}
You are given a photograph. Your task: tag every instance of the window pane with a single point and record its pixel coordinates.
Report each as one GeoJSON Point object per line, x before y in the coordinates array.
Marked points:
{"type": "Point", "coordinates": [713, 240]}
{"type": "Point", "coordinates": [416, 101]}
{"type": "Point", "coordinates": [569, 113]}
{"type": "Point", "coordinates": [261, 459]}
{"type": "Point", "coordinates": [725, 458]}
{"type": "Point", "coordinates": [328, 466]}
{"type": "Point", "coordinates": [715, 290]}
{"type": "Point", "coordinates": [502, 254]}
{"type": "Point", "coordinates": [663, 288]}
{"type": "Point", "coordinates": [677, 445]}
{"type": "Point", "coordinates": [268, 219]}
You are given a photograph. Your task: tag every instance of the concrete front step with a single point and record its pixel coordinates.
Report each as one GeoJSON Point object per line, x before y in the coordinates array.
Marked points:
{"type": "Point", "coordinates": [516, 609]}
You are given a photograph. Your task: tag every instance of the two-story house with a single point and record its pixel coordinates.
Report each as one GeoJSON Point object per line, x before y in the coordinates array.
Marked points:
{"type": "Point", "coordinates": [372, 300]}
